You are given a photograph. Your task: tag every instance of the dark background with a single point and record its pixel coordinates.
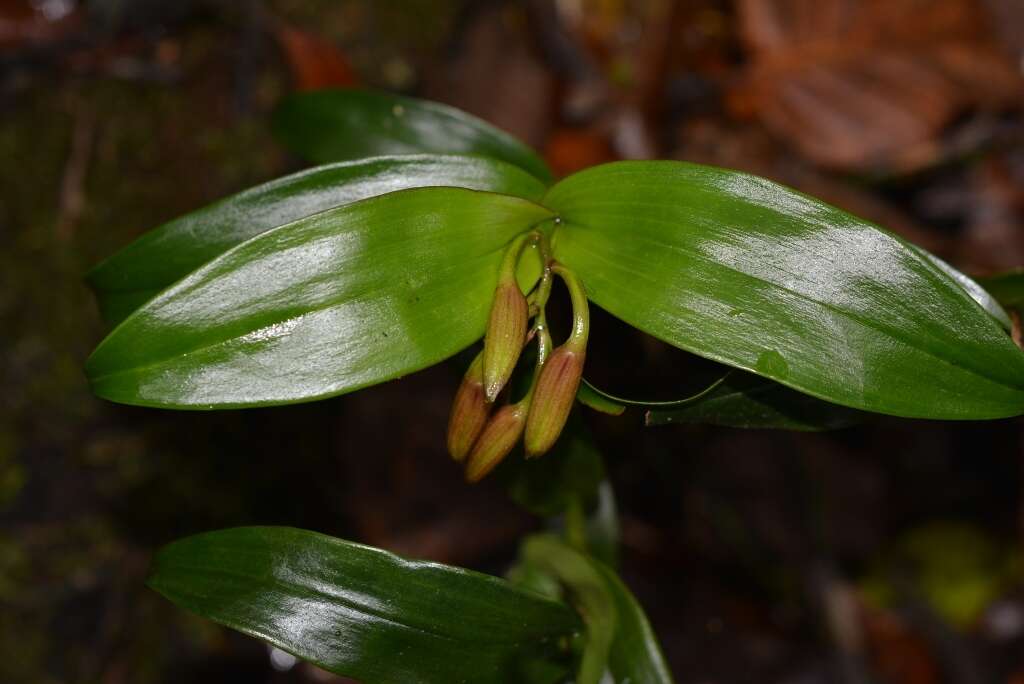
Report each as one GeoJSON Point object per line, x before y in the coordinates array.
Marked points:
{"type": "Point", "coordinates": [888, 553]}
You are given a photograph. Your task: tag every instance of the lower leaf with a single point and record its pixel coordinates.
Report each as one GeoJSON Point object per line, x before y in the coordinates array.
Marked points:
{"type": "Point", "coordinates": [366, 613]}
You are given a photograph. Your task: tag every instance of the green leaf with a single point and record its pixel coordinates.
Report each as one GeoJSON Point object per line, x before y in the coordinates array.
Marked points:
{"type": "Point", "coordinates": [162, 256]}
{"type": "Point", "coordinates": [754, 275]}
{"type": "Point", "coordinates": [973, 288]}
{"type": "Point", "coordinates": [362, 612]}
{"type": "Point", "coordinates": [748, 401]}
{"type": "Point", "coordinates": [1006, 287]}
{"type": "Point", "coordinates": [336, 125]}
{"type": "Point", "coordinates": [619, 636]}
{"type": "Point", "coordinates": [340, 300]}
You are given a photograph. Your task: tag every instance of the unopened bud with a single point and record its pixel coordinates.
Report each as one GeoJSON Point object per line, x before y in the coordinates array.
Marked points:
{"type": "Point", "coordinates": [559, 379]}
{"type": "Point", "coordinates": [506, 332]}
{"type": "Point", "coordinates": [498, 438]}
{"type": "Point", "coordinates": [553, 399]}
{"type": "Point", "coordinates": [469, 411]}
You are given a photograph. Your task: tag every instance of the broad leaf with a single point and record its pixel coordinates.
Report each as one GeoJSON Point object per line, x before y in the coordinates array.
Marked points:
{"type": "Point", "coordinates": [362, 612]}
{"type": "Point", "coordinates": [748, 401]}
{"type": "Point", "coordinates": [336, 125]}
{"type": "Point", "coordinates": [746, 272]}
{"type": "Point", "coordinates": [328, 304]}
{"type": "Point", "coordinates": [619, 636]}
{"type": "Point", "coordinates": [972, 287]}
{"type": "Point", "coordinates": [162, 256]}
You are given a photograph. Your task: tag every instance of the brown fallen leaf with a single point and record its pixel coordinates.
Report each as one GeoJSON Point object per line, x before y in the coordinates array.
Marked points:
{"type": "Point", "coordinates": [868, 84]}
{"type": "Point", "coordinates": [315, 62]}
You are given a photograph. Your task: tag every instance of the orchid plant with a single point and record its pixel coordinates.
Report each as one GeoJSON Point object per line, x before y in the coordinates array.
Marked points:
{"type": "Point", "coordinates": [424, 230]}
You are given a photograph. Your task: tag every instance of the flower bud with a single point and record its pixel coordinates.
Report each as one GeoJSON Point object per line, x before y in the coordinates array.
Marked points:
{"type": "Point", "coordinates": [496, 441]}
{"type": "Point", "coordinates": [553, 399]}
{"type": "Point", "coordinates": [469, 411]}
{"type": "Point", "coordinates": [555, 389]}
{"type": "Point", "coordinates": [506, 332]}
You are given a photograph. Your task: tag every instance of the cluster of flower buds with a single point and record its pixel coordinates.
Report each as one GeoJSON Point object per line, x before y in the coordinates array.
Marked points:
{"type": "Point", "coordinates": [481, 433]}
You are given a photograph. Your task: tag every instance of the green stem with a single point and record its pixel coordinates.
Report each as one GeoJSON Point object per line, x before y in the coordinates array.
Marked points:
{"type": "Point", "coordinates": [576, 525]}
{"type": "Point", "coordinates": [540, 330]}
{"type": "Point", "coordinates": [580, 309]}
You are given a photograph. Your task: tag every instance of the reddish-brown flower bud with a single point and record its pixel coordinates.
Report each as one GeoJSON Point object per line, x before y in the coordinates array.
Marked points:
{"type": "Point", "coordinates": [506, 332]}
{"type": "Point", "coordinates": [498, 438]}
{"type": "Point", "coordinates": [553, 399]}
{"type": "Point", "coordinates": [555, 389]}
{"type": "Point", "coordinates": [469, 411]}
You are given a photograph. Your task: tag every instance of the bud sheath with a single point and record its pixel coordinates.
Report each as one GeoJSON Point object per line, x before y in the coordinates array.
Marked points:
{"type": "Point", "coordinates": [496, 441]}
{"type": "Point", "coordinates": [469, 411]}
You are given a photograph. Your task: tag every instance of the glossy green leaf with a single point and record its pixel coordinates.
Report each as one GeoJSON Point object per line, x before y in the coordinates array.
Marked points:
{"type": "Point", "coordinates": [362, 612]}
{"type": "Point", "coordinates": [1007, 288]}
{"type": "Point", "coordinates": [746, 272]}
{"type": "Point", "coordinates": [619, 637]}
{"type": "Point", "coordinates": [973, 288]}
{"type": "Point", "coordinates": [328, 304]}
{"type": "Point", "coordinates": [336, 125]}
{"type": "Point", "coordinates": [748, 401]}
{"type": "Point", "coordinates": [166, 254]}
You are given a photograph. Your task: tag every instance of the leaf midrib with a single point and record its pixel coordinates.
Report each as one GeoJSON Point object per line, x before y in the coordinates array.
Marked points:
{"type": "Point", "coordinates": [298, 590]}
{"type": "Point", "coordinates": [842, 312]}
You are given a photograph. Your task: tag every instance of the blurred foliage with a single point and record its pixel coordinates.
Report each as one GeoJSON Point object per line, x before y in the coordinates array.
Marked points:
{"type": "Point", "coordinates": [955, 568]}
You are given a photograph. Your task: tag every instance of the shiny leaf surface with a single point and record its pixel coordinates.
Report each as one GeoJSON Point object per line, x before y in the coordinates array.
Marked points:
{"type": "Point", "coordinates": [339, 300]}
{"type": "Point", "coordinates": [336, 125]}
{"type": "Point", "coordinates": [746, 272]}
{"type": "Point", "coordinates": [166, 254]}
{"type": "Point", "coordinates": [744, 400]}
{"type": "Point", "coordinates": [363, 612]}
{"type": "Point", "coordinates": [973, 288]}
